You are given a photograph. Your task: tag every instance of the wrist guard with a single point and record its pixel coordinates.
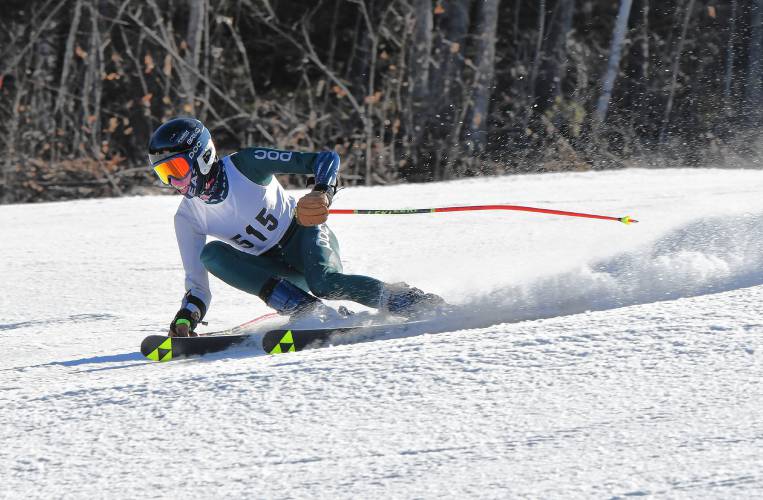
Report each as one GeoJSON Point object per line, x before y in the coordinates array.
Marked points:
{"type": "Point", "coordinates": [185, 316]}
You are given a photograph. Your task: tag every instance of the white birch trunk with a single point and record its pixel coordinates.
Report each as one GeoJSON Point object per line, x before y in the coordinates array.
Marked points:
{"type": "Point", "coordinates": [615, 54]}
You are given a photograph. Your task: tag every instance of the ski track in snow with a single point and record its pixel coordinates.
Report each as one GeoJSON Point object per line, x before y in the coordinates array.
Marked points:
{"type": "Point", "coordinates": [584, 359]}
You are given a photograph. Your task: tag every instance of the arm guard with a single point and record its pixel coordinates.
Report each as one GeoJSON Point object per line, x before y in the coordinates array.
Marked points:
{"type": "Point", "coordinates": [326, 169]}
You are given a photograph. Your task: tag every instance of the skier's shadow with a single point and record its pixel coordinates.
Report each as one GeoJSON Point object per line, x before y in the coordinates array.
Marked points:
{"type": "Point", "coordinates": [116, 358]}
{"type": "Point", "coordinates": [132, 359]}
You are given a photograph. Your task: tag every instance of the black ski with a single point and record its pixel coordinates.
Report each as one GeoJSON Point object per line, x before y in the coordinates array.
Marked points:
{"type": "Point", "coordinates": [163, 348]}
{"type": "Point", "coordinates": [280, 341]}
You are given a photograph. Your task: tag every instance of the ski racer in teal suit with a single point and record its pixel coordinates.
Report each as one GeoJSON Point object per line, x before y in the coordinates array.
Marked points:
{"type": "Point", "coordinates": [267, 243]}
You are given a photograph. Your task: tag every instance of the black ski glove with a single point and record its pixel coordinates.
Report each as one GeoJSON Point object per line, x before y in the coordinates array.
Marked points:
{"type": "Point", "coordinates": [184, 324]}
{"type": "Point", "coordinates": [185, 321]}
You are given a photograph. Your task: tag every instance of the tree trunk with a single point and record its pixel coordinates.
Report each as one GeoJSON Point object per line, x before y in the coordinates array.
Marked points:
{"type": "Point", "coordinates": [68, 58]}
{"type": "Point", "coordinates": [43, 75]}
{"type": "Point", "coordinates": [457, 20]}
{"type": "Point", "coordinates": [636, 87]}
{"type": "Point", "coordinates": [729, 76]}
{"type": "Point", "coordinates": [613, 66]}
{"type": "Point", "coordinates": [554, 65]}
{"type": "Point", "coordinates": [486, 23]}
{"type": "Point", "coordinates": [675, 70]}
{"type": "Point", "coordinates": [421, 52]}
{"type": "Point", "coordinates": [446, 78]}
{"type": "Point", "coordinates": [567, 16]}
{"type": "Point", "coordinates": [753, 88]}
{"type": "Point", "coordinates": [645, 43]}
{"type": "Point", "coordinates": [362, 52]}
{"type": "Point", "coordinates": [538, 50]}
{"type": "Point", "coordinates": [194, 35]}
{"type": "Point", "coordinates": [449, 81]}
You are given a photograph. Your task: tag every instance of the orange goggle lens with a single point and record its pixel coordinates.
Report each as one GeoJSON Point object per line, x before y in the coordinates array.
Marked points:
{"type": "Point", "coordinates": [176, 167]}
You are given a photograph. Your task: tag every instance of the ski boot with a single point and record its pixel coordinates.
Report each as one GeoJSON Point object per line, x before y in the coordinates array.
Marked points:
{"type": "Point", "coordinates": [399, 299]}
{"type": "Point", "coordinates": [289, 300]}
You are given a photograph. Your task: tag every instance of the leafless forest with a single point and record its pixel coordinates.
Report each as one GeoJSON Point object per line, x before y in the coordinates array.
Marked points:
{"type": "Point", "coordinates": [412, 90]}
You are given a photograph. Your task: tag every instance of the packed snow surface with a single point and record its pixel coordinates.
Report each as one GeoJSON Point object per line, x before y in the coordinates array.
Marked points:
{"type": "Point", "coordinates": [585, 358]}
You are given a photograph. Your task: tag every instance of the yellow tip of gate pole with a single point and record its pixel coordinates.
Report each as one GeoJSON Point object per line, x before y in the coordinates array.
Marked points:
{"type": "Point", "coordinates": [627, 220]}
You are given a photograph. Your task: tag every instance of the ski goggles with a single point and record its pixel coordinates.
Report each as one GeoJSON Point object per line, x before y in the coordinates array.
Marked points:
{"type": "Point", "coordinates": [177, 167]}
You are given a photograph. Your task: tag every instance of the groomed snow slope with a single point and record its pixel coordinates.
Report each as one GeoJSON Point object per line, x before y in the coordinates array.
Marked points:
{"type": "Point", "coordinates": [585, 359]}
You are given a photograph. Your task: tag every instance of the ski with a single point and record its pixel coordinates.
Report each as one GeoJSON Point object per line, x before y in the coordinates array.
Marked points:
{"type": "Point", "coordinates": [162, 348]}
{"type": "Point", "coordinates": [284, 340]}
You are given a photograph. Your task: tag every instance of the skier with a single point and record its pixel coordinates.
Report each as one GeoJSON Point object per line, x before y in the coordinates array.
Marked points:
{"type": "Point", "coordinates": [268, 244]}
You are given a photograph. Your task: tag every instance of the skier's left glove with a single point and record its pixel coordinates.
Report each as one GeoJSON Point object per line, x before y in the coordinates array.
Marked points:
{"type": "Point", "coordinates": [313, 208]}
{"type": "Point", "coordinates": [184, 324]}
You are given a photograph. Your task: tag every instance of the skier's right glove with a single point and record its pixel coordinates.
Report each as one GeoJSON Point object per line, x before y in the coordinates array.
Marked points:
{"type": "Point", "coordinates": [313, 209]}
{"type": "Point", "coordinates": [184, 324]}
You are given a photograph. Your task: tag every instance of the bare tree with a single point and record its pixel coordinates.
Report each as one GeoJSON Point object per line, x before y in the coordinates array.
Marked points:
{"type": "Point", "coordinates": [538, 58]}
{"type": "Point", "coordinates": [422, 98]}
{"type": "Point", "coordinates": [447, 83]}
{"type": "Point", "coordinates": [753, 91]}
{"type": "Point", "coordinates": [548, 87]}
{"type": "Point", "coordinates": [729, 74]}
{"type": "Point", "coordinates": [196, 17]}
{"type": "Point", "coordinates": [453, 35]}
{"type": "Point", "coordinates": [613, 66]}
{"type": "Point", "coordinates": [675, 70]}
{"type": "Point", "coordinates": [421, 52]}
{"type": "Point", "coordinates": [401, 88]}
{"type": "Point", "coordinates": [485, 34]}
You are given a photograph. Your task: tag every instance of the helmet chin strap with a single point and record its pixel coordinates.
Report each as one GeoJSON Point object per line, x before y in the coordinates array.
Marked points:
{"type": "Point", "coordinates": [210, 187]}
{"type": "Point", "coordinates": [211, 177]}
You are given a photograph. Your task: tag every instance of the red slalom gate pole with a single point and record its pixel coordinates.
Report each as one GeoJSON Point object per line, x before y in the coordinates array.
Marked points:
{"type": "Point", "coordinates": [517, 208]}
